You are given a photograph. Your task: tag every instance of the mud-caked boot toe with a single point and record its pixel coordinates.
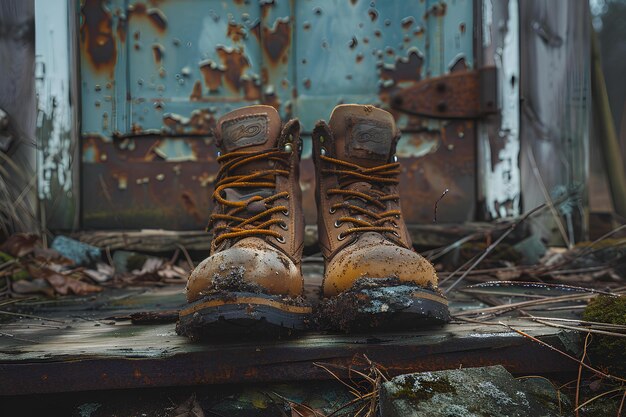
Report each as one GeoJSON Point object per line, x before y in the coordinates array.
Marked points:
{"type": "Point", "coordinates": [373, 277]}
{"type": "Point", "coordinates": [251, 284]}
{"type": "Point", "coordinates": [250, 266]}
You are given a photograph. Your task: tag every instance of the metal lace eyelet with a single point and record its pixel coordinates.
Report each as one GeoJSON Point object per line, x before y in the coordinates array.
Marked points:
{"type": "Point", "coordinates": [395, 234]}
{"type": "Point", "coordinates": [323, 151]}
{"type": "Point", "coordinates": [338, 223]}
{"type": "Point", "coordinates": [395, 225]}
{"type": "Point", "coordinates": [280, 239]}
{"type": "Point", "coordinates": [285, 212]}
{"type": "Point", "coordinates": [341, 236]}
{"type": "Point", "coordinates": [332, 210]}
{"type": "Point", "coordinates": [283, 225]}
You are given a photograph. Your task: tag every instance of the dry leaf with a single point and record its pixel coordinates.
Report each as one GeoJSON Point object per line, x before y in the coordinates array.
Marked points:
{"type": "Point", "coordinates": [301, 410]}
{"type": "Point", "coordinates": [20, 244]}
{"type": "Point", "coordinates": [62, 284]}
{"type": "Point", "coordinates": [34, 286]}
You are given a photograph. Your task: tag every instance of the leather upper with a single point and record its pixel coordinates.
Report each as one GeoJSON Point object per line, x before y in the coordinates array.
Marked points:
{"type": "Point", "coordinates": [365, 136]}
{"type": "Point", "coordinates": [270, 261]}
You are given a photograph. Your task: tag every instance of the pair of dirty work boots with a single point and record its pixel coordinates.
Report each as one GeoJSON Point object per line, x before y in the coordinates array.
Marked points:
{"type": "Point", "coordinates": [253, 283]}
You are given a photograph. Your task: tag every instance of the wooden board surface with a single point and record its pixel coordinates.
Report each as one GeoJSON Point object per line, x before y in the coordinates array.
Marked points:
{"type": "Point", "coordinates": [90, 343]}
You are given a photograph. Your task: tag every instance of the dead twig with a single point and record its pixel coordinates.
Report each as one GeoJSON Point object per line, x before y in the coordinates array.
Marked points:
{"type": "Point", "coordinates": [541, 342]}
{"type": "Point", "coordinates": [621, 405]}
{"type": "Point", "coordinates": [187, 257]}
{"type": "Point", "coordinates": [580, 373]}
{"type": "Point", "coordinates": [491, 247]}
{"type": "Point", "coordinates": [546, 196]}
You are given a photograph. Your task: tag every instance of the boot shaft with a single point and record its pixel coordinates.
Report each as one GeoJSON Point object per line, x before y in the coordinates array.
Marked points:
{"type": "Point", "coordinates": [357, 177]}
{"type": "Point", "coordinates": [259, 171]}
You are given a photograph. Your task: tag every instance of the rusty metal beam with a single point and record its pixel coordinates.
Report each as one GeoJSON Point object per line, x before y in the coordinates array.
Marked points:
{"type": "Point", "coordinates": [458, 95]}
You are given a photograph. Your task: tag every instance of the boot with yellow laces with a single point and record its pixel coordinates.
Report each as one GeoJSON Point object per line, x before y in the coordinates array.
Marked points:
{"type": "Point", "coordinates": [252, 282]}
{"type": "Point", "coordinates": [373, 277]}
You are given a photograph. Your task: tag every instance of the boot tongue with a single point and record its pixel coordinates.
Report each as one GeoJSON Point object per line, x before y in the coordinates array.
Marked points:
{"type": "Point", "coordinates": [363, 135]}
{"type": "Point", "coordinates": [253, 128]}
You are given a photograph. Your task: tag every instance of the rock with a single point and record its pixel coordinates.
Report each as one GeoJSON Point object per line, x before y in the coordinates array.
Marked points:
{"type": "Point", "coordinates": [80, 253]}
{"type": "Point", "coordinates": [472, 392]}
{"type": "Point", "coordinates": [126, 261]}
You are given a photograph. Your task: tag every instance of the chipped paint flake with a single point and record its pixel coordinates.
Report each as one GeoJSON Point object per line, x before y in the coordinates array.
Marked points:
{"type": "Point", "coordinates": [54, 150]}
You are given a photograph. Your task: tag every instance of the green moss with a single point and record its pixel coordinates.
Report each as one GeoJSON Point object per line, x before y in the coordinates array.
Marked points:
{"type": "Point", "coordinates": [5, 257]}
{"type": "Point", "coordinates": [608, 351]}
{"type": "Point", "coordinates": [427, 389]}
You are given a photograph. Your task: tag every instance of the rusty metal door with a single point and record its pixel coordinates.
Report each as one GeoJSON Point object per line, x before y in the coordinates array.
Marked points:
{"type": "Point", "coordinates": [155, 75]}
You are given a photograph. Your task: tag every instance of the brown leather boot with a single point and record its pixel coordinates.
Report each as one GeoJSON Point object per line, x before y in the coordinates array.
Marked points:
{"type": "Point", "coordinates": [252, 281]}
{"type": "Point", "coordinates": [373, 276]}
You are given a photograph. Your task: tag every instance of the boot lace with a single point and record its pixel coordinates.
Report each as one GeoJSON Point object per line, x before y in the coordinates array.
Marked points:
{"type": "Point", "coordinates": [376, 197]}
{"type": "Point", "coordinates": [237, 225]}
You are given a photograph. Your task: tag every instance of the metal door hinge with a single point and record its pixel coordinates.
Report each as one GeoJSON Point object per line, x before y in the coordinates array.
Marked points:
{"type": "Point", "coordinates": [459, 95]}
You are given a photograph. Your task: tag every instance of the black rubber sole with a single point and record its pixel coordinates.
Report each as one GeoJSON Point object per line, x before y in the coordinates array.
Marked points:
{"type": "Point", "coordinates": [381, 304]}
{"type": "Point", "coordinates": [241, 314]}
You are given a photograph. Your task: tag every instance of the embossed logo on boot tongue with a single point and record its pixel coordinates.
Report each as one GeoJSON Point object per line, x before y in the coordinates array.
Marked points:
{"type": "Point", "coordinates": [368, 138]}
{"type": "Point", "coordinates": [245, 131]}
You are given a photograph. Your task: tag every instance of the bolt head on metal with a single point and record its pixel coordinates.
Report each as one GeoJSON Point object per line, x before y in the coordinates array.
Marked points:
{"type": "Point", "coordinates": [288, 148]}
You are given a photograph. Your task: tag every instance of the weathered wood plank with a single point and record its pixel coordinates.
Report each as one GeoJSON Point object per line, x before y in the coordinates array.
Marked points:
{"type": "Point", "coordinates": [90, 344]}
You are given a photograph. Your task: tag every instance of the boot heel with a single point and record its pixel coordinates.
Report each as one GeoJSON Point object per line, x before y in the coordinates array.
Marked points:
{"type": "Point", "coordinates": [242, 313]}
{"type": "Point", "coordinates": [383, 303]}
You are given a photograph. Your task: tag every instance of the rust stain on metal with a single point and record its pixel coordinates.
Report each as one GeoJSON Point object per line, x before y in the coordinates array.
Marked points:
{"type": "Point", "coordinates": [155, 16]}
{"type": "Point", "coordinates": [201, 121]}
{"type": "Point", "coordinates": [196, 92]}
{"type": "Point", "coordinates": [459, 65]}
{"type": "Point", "coordinates": [121, 26]}
{"type": "Point", "coordinates": [276, 41]}
{"type": "Point", "coordinates": [266, 6]}
{"type": "Point", "coordinates": [189, 203]}
{"type": "Point", "coordinates": [271, 99]}
{"type": "Point", "coordinates": [136, 128]}
{"type": "Point", "coordinates": [158, 51]}
{"type": "Point", "coordinates": [406, 68]}
{"type": "Point", "coordinates": [235, 32]}
{"type": "Point", "coordinates": [235, 64]}
{"type": "Point", "coordinates": [437, 10]}
{"type": "Point", "coordinates": [373, 14]}
{"type": "Point", "coordinates": [251, 88]}
{"type": "Point", "coordinates": [212, 74]}
{"type": "Point", "coordinates": [407, 22]}
{"type": "Point", "coordinates": [97, 35]}
{"type": "Point", "coordinates": [462, 27]}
